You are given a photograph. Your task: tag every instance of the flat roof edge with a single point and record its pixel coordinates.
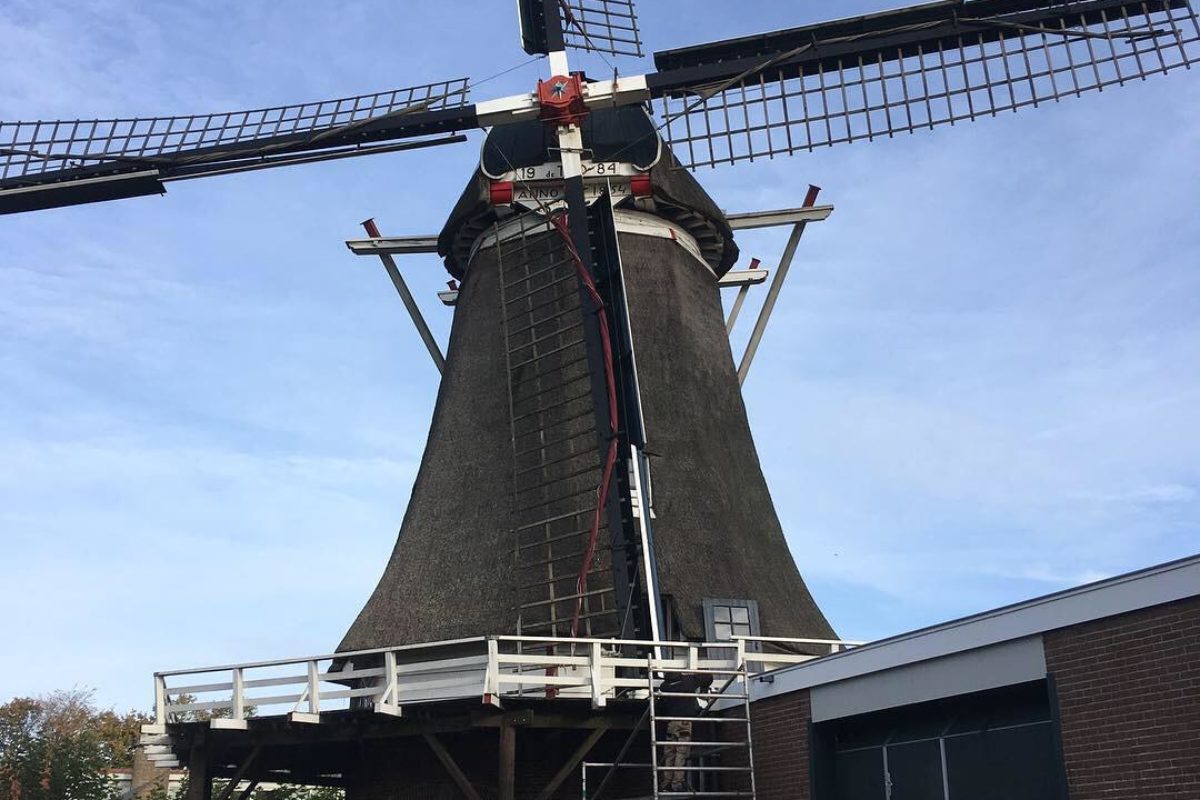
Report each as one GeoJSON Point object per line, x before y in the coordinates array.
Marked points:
{"type": "Point", "coordinates": [1120, 594]}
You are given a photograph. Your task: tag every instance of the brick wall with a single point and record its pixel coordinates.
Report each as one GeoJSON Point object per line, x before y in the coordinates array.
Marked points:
{"type": "Point", "coordinates": [1129, 699]}
{"type": "Point", "coordinates": [780, 730]}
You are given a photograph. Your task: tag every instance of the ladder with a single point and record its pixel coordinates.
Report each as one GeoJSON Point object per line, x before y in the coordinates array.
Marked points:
{"type": "Point", "coordinates": [719, 764]}
{"type": "Point", "coordinates": [556, 465]}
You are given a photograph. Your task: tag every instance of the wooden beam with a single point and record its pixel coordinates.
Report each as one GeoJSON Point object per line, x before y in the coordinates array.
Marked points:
{"type": "Point", "coordinates": [508, 762]}
{"type": "Point", "coordinates": [241, 773]}
{"type": "Point", "coordinates": [571, 763]}
{"type": "Point", "coordinates": [451, 766]}
{"type": "Point", "coordinates": [199, 774]}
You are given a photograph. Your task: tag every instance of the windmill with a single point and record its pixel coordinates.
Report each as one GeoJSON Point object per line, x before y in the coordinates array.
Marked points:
{"type": "Point", "coordinates": [589, 424]}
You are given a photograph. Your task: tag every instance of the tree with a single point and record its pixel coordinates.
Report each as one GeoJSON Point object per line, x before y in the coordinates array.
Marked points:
{"type": "Point", "coordinates": [60, 746]}
{"type": "Point", "coordinates": [50, 749]}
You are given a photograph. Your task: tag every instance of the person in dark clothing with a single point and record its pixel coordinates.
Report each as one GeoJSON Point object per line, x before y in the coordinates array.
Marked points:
{"type": "Point", "coordinates": [676, 703]}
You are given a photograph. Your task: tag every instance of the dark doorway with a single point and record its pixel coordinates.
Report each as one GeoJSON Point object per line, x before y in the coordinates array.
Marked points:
{"type": "Point", "coordinates": [993, 745]}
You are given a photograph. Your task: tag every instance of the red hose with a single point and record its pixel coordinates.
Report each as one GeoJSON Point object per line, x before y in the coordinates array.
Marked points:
{"type": "Point", "coordinates": [610, 461]}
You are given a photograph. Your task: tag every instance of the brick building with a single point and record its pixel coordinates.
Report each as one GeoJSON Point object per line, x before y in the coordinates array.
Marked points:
{"type": "Point", "coordinates": [1085, 694]}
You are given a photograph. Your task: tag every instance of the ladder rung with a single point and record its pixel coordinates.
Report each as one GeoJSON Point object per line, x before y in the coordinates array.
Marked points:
{"type": "Point", "coordinates": [547, 354]}
{"type": "Point", "coordinates": [566, 623]}
{"type": "Point", "coordinates": [563, 298]}
{"type": "Point", "coordinates": [701, 719]}
{"type": "Point", "coordinates": [705, 794]}
{"type": "Point", "coordinates": [573, 576]}
{"type": "Point", "coordinates": [566, 598]}
{"type": "Point", "coordinates": [561, 536]}
{"type": "Point", "coordinates": [665, 743]}
{"type": "Point", "coordinates": [574, 555]}
{"type": "Point", "coordinates": [512, 348]}
{"type": "Point", "coordinates": [556, 442]}
{"type": "Point", "coordinates": [535, 431]}
{"type": "Point", "coordinates": [542, 321]}
{"type": "Point", "coordinates": [577, 472]}
{"type": "Point", "coordinates": [559, 460]}
{"type": "Point", "coordinates": [544, 390]}
{"type": "Point", "coordinates": [516, 386]}
{"type": "Point", "coordinates": [510, 300]}
{"type": "Point", "coordinates": [707, 769]}
{"type": "Point", "coordinates": [530, 241]}
{"type": "Point", "coordinates": [589, 490]}
{"type": "Point", "coordinates": [542, 271]}
{"type": "Point", "coordinates": [727, 696]}
{"type": "Point", "coordinates": [554, 406]}
{"type": "Point", "coordinates": [694, 670]}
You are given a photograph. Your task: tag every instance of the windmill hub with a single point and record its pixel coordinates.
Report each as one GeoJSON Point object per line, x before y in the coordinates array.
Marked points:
{"type": "Point", "coordinates": [562, 100]}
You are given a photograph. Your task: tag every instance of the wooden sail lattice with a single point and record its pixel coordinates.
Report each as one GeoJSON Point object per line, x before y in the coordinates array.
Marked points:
{"type": "Point", "coordinates": [605, 26]}
{"type": "Point", "coordinates": [848, 87]}
{"type": "Point", "coordinates": [29, 149]}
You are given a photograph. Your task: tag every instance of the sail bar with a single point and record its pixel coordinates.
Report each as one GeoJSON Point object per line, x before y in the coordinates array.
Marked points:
{"type": "Point", "coordinates": [31, 148]}
{"type": "Point", "coordinates": [937, 64]}
{"type": "Point", "coordinates": [605, 26]}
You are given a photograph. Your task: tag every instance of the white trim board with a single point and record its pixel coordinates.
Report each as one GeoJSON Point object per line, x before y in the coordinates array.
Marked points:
{"type": "Point", "coordinates": [1176, 580]}
{"type": "Point", "coordinates": [977, 670]}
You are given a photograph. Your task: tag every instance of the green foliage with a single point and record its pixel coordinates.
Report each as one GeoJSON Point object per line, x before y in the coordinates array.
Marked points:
{"type": "Point", "coordinates": [52, 749]}
{"type": "Point", "coordinates": [60, 746]}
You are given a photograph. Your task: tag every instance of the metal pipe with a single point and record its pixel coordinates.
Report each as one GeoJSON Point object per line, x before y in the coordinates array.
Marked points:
{"type": "Point", "coordinates": [393, 272]}
{"type": "Point", "coordinates": [764, 315]}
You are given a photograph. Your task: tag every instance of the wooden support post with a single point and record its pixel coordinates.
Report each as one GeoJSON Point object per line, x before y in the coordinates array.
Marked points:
{"type": "Point", "coordinates": [571, 763]}
{"type": "Point", "coordinates": [508, 761]}
{"type": "Point", "coordinates": [249, 790]}
{"type": "Point", "coordinates": [199, 774]}
{"type": "Point", "coordinates": [451, 766]}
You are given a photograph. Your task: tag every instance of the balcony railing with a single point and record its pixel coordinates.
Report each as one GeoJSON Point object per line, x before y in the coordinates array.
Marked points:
{"type": "Point", "coordinates": [488, 668]}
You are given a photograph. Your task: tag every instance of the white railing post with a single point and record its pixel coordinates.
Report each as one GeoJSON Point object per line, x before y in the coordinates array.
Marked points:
{"type": "Point", "coordinates": [314, 688]}
{"type": "Point", "coordinates": [391, 688]}
{"type": "Point", "coordinates": [239, 698]}
{"type": "Point", "coordinates": [693, 657]}
{"type": "Point", "coordinates": [160, 700]}
{"type": "Point", "coordinates": [596, 668]}
{"type": "Point", "coordinates": [491, 677]}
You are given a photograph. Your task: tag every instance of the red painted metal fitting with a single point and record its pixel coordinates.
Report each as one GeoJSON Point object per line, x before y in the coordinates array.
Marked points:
{"type": "Point", "coordinates": [640, 185]}
{"type": "Point", "coordinates": [810, 199]}
{"type": "Point", "coordinates": [500, 193]}
{"type": "Point", "coordinates": [561, 99]}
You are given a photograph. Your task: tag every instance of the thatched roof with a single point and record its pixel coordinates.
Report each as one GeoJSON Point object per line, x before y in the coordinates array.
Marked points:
{"type": "Point", "coordinates": [717, 536]}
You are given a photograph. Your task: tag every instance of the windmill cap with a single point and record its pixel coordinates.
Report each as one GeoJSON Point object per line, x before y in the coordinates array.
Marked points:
{"type": "Point", "coordinates": [621, 134]}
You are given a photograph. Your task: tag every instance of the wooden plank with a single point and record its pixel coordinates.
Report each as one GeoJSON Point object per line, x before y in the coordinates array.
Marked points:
{"type": "Point", "coordinates": [572, 763]}
{"type": "Point", "coordinates": [451, 766]}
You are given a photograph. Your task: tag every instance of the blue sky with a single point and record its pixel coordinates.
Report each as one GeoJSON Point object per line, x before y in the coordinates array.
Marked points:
{"type": "Point", "coordinates": [980, 384]}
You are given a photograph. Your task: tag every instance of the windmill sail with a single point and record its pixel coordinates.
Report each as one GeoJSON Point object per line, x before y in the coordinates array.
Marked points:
{"type": "Point", "coordinates": [50, 163]}
{"type": "Point", "coordinates": [902, 71]}
{"type": "Point", "coordinates": [604, 26]}
{"type": "Point", "coordinates": [600, 26]}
